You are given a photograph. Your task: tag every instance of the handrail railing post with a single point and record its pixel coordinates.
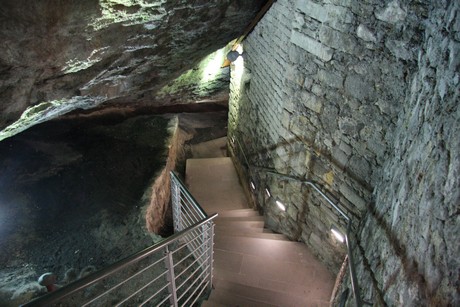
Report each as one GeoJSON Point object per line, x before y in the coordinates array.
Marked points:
{"type": "Point", "coordinates": [193, 227]}
{"type": "Point", "coordinates": [171, 278]}
{"type": "Point", "coordinates": [204, 238]}
{"type": "Point", "coordinates": [210, 255]}
{"type": "Point", "coordinates": [353, 278]}
{"type": "Point", "coordinates": [176, 204]}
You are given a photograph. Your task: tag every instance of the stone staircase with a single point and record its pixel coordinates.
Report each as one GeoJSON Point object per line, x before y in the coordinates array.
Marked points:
{"type": "Point", "coordinates": [252, 265]}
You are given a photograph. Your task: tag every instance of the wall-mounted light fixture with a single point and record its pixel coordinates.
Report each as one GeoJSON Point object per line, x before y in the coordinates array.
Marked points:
{"type": "Point", "coordinates": [268, 193]}
{"type": "Point", "coordinates": [233, 55]}
{"type": "Point", "coordinates": [337, 234]}
{"type": "Point", "coordinates": [280, 205]}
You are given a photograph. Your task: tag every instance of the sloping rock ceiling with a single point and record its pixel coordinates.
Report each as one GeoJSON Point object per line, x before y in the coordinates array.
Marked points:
{"type": "Point", "coordinates": [58, 56]}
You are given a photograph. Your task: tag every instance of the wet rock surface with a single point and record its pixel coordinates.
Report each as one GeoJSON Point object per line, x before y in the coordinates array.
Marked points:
{"type": "Point", "coordinates": [78, 54]}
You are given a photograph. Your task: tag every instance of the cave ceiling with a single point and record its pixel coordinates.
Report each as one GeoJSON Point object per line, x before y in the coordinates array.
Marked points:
{"type": "Point", "coordinates": [61, 56]}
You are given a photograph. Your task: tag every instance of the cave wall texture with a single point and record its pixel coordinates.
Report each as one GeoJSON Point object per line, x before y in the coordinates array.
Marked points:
{"type": "Point", "coordinates": [59, 56]}
{"type": "Point", "coordinates": [361, 97]}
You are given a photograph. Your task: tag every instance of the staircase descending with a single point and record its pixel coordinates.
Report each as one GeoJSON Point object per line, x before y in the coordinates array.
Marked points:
{"type": "Point", "coordinates": [252, 265]}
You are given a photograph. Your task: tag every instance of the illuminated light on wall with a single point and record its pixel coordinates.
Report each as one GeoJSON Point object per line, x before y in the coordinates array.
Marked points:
{"type": "Point", "coordinates": [236, 88]}
{"type": "Point", "coordinates": [238, 65]}
{"type": "Point", "coordinates": [253, 186]}
{"type": "Point", "coordinates": [212, 65]}
{"type": "Point", "coordinates": [268, 193]}
{"type": "Point", "coordinates": [337, 234]}
{"type": "Point", "coordinates": [235, 54]}
{"type": "Point", "coordinates": [239, 49]}
{"type": "Point", "coordinates": [281, 205]}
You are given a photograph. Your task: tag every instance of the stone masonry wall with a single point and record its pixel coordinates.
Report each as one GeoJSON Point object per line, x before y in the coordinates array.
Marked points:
{"type": "Point", "coordinates": [360, 97]}
{"type": "Point", "coordinates": [416, 218]}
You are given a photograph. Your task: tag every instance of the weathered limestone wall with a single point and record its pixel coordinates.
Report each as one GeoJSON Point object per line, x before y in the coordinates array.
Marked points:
{"type": "Point", "coordinates": [360, 97]}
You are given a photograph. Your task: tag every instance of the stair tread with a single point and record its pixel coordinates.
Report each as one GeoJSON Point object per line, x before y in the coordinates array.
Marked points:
{"type": "Point", "coordinates": [262, 247]}
{"type": "Point", "coordinates": [265, 296]}
{"type": "Point", "coordinates": [227, 298]}
{"type": "Point", "coordinates": [240, 224]}
{"type": "Point", "coordinates": [252, 234]}
{"type": "Point", "coordinates": [252, 265]}
{"type": "Point", "coordinates": [230, 228]}
{"type": "Point", "coordinates": [255, 218]}
{"type": "Point", "coordinates": [239, 213]}
{"type": "Point", "coordinates": [288, 275]}
{"type": "Point", "coordinates": [215, 184]}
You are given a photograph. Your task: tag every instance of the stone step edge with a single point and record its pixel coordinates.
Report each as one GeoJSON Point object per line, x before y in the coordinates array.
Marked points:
{"type": "Point", "coordinates": [237, 224]}
{"type": "Point", "coordinates": [255, 218]}
{"type": "Point", "coordinates": [224, 298]}
{"type": "Point", "coordinates": [252, 234]}
{"type": "Point", "coordinates": [238, 213]}
{"type": "Point", "coordinates": [259, 294]}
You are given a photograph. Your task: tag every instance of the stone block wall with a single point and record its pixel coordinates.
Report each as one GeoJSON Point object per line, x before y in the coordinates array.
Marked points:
{"type": "Point", "coordinates": [360, 97]}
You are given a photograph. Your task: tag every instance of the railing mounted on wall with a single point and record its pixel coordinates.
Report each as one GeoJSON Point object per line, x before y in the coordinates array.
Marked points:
{"type": "Point", "coordinates": [354, 281]}
{"type": "Point", "coordinates": [174, 272]}
{"type": "Point", "coordinates": [352, 269]}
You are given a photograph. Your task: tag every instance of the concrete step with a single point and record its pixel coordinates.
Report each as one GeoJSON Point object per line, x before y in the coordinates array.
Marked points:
{"type": "Point", "coordinates": [228, 292]}
{"type": "Point", "coordinates": [214, 184]}
{"type": "Point", "coordinates": [238, 213]}
{"type": "Point", "coordinates": [253, 218]}
{"type": "Point", "coordinates": [250, 234]}
{"type": "Point", "coordinates": [210, 149]}
{"type": "Point", "coordinates": [240, 224]}
{"type": "Point", "coordinates": [223, 229]}
{"type": "Point", "coordinates": [225, 298]}
{"type": "Point", "coordinates": [310, 280]}
{"type": "Point", "coordinates": [252, 265]}
{"type": "Point", "coordinates": [260, 247]}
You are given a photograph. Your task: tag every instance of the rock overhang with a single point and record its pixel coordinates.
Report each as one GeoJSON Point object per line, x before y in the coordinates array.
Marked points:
{"type": "Point", "coordinates": [62, 56]}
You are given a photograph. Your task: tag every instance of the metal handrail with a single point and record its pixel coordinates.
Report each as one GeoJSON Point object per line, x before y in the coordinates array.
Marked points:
{"type": "Point", "coordinates": [242, 151]}
{"type": "Point", "coordinates": [353, 278]}
{"type": "Point", "coordinates": [354, 281]}
{"type": "Point", "coordinates": [197, 238]}
{"type": "Point", "coordinates": [188, 211]}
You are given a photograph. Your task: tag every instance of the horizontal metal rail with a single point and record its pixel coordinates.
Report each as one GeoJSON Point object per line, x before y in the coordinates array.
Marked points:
{"type": "Point", "coordinates": [353, 278]}
{"type": "Point", "coordinates": [186, 209]}
{"type": "Point", "coordinates": [187, 256]}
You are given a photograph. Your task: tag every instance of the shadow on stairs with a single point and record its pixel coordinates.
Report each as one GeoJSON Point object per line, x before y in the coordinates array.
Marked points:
{"type": "Point", "coordinates": [252, 265]}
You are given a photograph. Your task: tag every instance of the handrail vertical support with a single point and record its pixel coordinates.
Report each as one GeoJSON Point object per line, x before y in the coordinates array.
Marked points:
{"type": "Point", "coordinates": [176, 204]}
{"type": "Point", "coordinates": [181, 284]}
{"type": "Point", "coordinates": [171, 278]}
{"type": "Point", "coordinates": [211, 255]}
{"type": "Point", "coordinates": [354, 281]}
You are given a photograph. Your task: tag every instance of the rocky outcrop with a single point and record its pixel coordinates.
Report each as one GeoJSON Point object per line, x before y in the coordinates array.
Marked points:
{"type": "Point", "coordinates": [62, 55]}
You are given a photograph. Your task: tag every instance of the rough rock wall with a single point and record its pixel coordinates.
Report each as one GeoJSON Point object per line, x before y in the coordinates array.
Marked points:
{"type": "Point", "coordinates": [415, 217]}
{"type": "Point", "coordinates": [63, 55]}
{"type": "Point", "coordinates": [348, 94]}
